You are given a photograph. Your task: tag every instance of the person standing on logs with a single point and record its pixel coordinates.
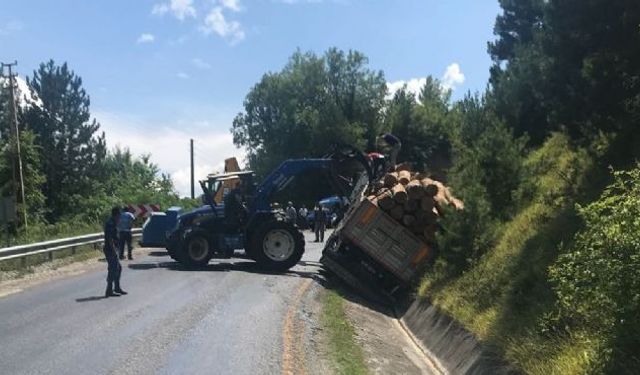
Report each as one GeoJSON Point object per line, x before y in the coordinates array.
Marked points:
{"type": "Point", "coordinates": [391, 145]}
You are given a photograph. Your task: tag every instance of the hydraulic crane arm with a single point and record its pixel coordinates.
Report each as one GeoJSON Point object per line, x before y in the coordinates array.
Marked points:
{"type": "Point", "coordinates": [282, 176]}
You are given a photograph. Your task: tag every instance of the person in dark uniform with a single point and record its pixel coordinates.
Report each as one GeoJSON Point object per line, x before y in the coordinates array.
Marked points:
{"type": "Point", "coordinates": [114, 269]}
{"type": "Point", "coordinates": [320, 217]}
{"type": "Point", "coordinates": [392, 145]}
{"type": "Point", "coordinates": [234, 210]}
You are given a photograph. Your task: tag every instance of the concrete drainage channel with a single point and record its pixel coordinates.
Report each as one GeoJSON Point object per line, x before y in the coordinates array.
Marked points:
{"type": "Point", "coordinates": [450, 348]}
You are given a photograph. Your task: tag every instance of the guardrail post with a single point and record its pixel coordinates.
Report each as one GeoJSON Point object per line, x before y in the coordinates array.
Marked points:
{"type": "Point", "coordinates": [73, 250]}
{"type": "Point", "coordinates": [23, 262]}
{"type": "Point", "coordinates": [50, 255]}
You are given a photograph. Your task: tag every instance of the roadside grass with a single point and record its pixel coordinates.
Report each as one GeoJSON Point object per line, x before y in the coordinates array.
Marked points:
{"type": "Point", "coordinates": [46, 232]}
{"type": "Point", "coordinates": [18, 268]}
{"type": "Point", "coordinates": [505, 299]}
{"type": "Point", "coordinates": [346, 354]}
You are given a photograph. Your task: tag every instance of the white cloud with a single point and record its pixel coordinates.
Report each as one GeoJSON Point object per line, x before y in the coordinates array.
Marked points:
{"type": "Point", "coordinates": [182, 75]}
{"type": "Point", "coordinates": [10, 27]}
{"type": "Point", "coordinates": [234, 5]}
{"type": "Point", "coordinates": [215, 22]}
{"type": "Point", "coordinates": [146, 38]}
{"type": "Point", "coordinates": [453, 77]}
{"type": "Point", "coordinates": [414, 86]}
{"type": "Point", "coordinates": [200, 64]}
{"type": "Point", "coordinates": [24, 96]}
{"type": "Point", "coordinates": [181, 9]}
{"type": "Point", "coordinates": [169, 147]}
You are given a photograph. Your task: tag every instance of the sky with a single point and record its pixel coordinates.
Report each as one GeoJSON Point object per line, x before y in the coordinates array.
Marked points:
{"type": "Point", "coordinates": [161, 72]}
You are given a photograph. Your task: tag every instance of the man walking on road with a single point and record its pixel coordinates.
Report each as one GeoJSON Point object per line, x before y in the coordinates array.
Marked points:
{"type": "Point", "coordinates": [320, 222]}
{"type": "Point", "coordinates": [124, 232]}
{"type": "Point", "coordinates": [114, 269]}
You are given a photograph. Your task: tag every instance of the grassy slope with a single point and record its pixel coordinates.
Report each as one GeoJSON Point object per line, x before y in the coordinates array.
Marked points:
{"type": "Point", "coordinates": [345, 352]}
{"type": "Point", "coordinates": [505, 297]}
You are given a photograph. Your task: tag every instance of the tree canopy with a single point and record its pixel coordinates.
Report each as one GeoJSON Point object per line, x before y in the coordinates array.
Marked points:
{"type": "Point", "coordinates": [312, 103]}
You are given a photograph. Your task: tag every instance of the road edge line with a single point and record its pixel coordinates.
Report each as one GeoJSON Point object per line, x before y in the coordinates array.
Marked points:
{"type": "Point", "coordinates": [288, 336]}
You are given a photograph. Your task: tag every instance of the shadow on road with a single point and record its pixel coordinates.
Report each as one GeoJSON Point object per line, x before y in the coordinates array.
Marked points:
{"type": "Point", "coordinates": [242, 266]}
{"type": "Point", "coordinates": [158, 253]}
{"type": "Point", "coordinates": [90, 299]}
{"type": "Point", "coordinates": [326, 279]}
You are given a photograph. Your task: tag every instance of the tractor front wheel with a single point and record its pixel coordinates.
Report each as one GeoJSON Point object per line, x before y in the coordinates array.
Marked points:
{"type": "Point", "coordinates": [196, 251]}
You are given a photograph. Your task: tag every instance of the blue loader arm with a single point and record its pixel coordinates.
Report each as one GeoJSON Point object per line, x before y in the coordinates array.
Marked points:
{"type": "Point", "coordinates": [282, 176]}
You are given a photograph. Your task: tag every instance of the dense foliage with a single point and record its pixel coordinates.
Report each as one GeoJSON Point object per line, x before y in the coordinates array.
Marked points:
{"type": "Point", "coordinates": [309, 106]}
{"type": "Point", "coordinates": [71, 179]}
{"type": "Point", "coordinates": [596, 278]}
{"type": "Point", "coordinates": [536, 264]}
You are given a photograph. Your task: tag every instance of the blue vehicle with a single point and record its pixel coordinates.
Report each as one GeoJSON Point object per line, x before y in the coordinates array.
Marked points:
{"type": "Point", "coordinates": [158, 226]}
{"type": "Point", "coordinates": [263, 231]}
{"type": "Point", "coordinates": [335, 206]}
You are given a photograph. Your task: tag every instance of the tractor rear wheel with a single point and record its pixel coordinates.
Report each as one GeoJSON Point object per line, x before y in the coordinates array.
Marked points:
{"type": "Point", "coordinates": [277, 246]}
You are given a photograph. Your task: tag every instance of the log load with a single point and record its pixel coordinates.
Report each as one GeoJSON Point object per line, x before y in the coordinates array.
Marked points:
{"type": "Point", "coordinates": [415, 201]}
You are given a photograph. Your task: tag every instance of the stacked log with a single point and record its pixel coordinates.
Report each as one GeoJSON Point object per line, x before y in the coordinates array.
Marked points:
{"type": "Point", "coordinates": [415, 201]}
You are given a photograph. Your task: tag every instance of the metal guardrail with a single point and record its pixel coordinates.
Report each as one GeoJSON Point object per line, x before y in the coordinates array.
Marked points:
{"type": "Point", "coordinates": [49, 247]}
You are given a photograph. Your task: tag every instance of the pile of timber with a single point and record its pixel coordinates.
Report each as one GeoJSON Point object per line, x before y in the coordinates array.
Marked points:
{"type": "Point", "coordinates": [415, 201]}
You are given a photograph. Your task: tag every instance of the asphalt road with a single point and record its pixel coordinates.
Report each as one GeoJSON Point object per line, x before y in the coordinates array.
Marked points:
{"type": "Point", "coordinates": [226, 319]}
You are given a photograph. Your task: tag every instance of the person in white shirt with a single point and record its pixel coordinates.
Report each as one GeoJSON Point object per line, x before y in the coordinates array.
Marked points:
{"type": "Point", "coordinates": [291, 213]}
{"type": "Point", "coordinates": [124, 232]}
{"type": "Point", "coordinates": [303, 212]}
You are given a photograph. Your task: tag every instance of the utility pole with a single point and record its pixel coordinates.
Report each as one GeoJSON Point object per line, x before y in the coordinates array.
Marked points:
{"type": "Point", "coordinates": [16, 136]}
{"type": "Point", "coordinates": [193, 189]}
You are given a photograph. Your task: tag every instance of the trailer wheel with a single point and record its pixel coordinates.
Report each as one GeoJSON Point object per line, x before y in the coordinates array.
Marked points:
{"type": "Point", "coordinates": [277, 246]}
{"type": "Point", "coordinates": [196, 251]}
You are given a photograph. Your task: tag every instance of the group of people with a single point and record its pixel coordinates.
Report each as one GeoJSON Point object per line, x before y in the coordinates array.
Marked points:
{"type": "Point", "coordinates": [117, 235]}
{"type": "Point", "coordinates": [299, 217]}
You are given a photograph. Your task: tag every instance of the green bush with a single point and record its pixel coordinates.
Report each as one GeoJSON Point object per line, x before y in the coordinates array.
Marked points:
{"type": "Point", "coordinates": [596, 278]}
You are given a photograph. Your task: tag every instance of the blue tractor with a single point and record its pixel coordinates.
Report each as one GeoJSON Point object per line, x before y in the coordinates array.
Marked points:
{"type": "Point", "coordinates": [261, 229]}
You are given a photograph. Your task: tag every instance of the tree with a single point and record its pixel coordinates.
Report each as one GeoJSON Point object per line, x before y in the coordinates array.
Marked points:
{"type": "Point", "coordinates": [67, 135]}
{"type": "Point", "coordinates": [33, 178]}
{"type": "Point", "coordinates": [594, 74]}
{"type": "Point", "coordinates": [126, 180]}
{"type": "Point", "coordinates": [31, 157]}
{"type": "Point", "coordinates": [485, 150]}
{"type": "Point", "coordinates": [312, 104]}
{"type": "Point", "coordinates": [422, 126]}
{"type": "Point", "coordinates": [571, 65]}
{"type": "Point", "coordinates": [516, 27]}
{"type": "Point", "coordinates": [399, 120]}
{"type": "Point", "coordinates": [517, 75]}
